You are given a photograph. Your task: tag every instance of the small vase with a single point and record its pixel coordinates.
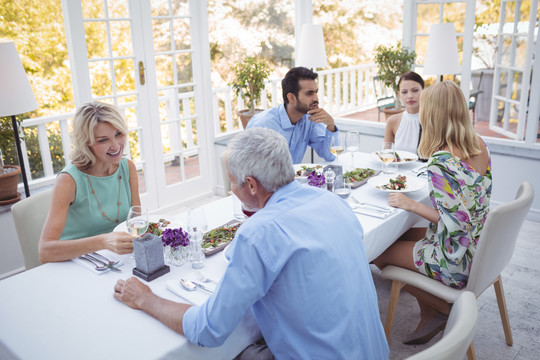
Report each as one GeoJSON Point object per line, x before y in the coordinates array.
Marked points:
{"type": "Point", "coordinates": [176, 257]}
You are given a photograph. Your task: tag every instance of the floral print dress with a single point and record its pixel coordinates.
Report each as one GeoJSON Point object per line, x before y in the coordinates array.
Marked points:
{"type": "Point", "coordinates": [461, 195]}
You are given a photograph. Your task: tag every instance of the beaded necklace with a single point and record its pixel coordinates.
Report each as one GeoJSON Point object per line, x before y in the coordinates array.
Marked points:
{"type": "Point", "coordinates": [99, 205]}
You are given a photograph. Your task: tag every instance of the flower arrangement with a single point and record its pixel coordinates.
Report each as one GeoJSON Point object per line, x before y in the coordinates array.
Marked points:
{"type": "Point", "coordinates": [175, 238]}
{"type": "Point", "coordinates": [316, 179]}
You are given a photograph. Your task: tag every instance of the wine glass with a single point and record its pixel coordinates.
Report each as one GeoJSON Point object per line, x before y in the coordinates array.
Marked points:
{"type": "Point", "coordinates": [352, 142]}
{"type": "Point", "coordinates": [343, 188]}
{"type": "Point", "coordinates": [387, 155]}
{"type": "Point", "coordinates": [137, 220]}
{"type": "Point", "coordinates": [336, 147]}
{"type": "Point", "coordinates": [196, 220]}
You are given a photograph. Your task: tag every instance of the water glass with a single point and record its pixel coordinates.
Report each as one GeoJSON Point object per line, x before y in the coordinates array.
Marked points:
{"type": "Point", "coordinates": [343, 188]}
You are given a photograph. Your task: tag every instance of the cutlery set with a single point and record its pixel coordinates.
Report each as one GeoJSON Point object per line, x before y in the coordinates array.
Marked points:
{"type": "Point", "coordinates": [100, 262]}
{"type": "Point", "coordinates": [191, 285]}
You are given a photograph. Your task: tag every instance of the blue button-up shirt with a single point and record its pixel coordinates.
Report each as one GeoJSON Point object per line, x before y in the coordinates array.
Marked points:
{"type": "Point", "coordinates": [300, 135]}
{"type": "Point", "coordinates": [305, 277]}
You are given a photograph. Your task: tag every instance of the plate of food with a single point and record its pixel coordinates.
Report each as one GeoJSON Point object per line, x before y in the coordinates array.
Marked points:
{"type": "Point", "coordinates": [219, 238]}
{"type": "Point", "coordinates": [359, 176]}
{"type": "Point", "coordinates": [396, 183]}
{"type": "Point", "coordinates": [402, 157]}
{"type": "Point", "coordinates": [303, 170]}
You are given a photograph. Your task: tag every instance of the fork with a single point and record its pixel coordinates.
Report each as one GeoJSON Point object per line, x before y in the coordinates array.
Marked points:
{"type": "Point", "coordinates": [104, 258]}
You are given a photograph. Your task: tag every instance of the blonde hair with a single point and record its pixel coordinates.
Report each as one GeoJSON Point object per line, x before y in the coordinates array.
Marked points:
{"type": "Point", "coordinates": [85, 121]}
{"type": "Point", "coordinates": [445, 121]}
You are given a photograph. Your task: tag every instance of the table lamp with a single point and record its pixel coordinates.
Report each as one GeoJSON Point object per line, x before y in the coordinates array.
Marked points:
{"type": "Point", "coordinates": [311, 51]}
{"type": "Point", "coordinates": [16, 96]}
{"type": "Point", "coordinates": [442, 56]}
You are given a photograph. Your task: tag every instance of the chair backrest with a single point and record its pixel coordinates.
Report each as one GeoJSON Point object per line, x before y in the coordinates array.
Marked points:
{"type": "Point", "coordinates": [29, 216]}
{"type": "Point", "coordinates": [498, 239]}
{"type": "Point", "coordinates": [458, 333]}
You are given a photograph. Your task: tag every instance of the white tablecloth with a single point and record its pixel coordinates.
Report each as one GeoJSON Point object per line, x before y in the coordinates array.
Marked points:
{"type": "Point", "coordinates": [63, 311]}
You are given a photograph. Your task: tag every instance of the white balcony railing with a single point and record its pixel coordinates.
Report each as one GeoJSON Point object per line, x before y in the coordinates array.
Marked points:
{"type": "Point", "coordinates": [341, 91]}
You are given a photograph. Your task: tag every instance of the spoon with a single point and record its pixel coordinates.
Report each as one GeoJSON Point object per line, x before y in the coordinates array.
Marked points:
{"type": "Point", "coordinates": [98, 267]}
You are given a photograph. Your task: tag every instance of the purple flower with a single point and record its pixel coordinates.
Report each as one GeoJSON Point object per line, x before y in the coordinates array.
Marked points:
{"type": "Point", "coordinates": [462, 216]}
{"type": "Point", "coordinates": [461, 182]}
{"type": "Point", "coordinates": [174, 238]}
{"type": "Point", "coordinates": [315, 179]}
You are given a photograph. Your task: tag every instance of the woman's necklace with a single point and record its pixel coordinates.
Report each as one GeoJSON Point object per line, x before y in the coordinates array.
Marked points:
{"type": "Point", "coordinates": [99, 205]}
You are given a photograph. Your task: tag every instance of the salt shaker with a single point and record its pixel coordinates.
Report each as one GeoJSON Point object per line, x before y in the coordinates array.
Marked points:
{"type": "Point", "coordinates": [330, 176]}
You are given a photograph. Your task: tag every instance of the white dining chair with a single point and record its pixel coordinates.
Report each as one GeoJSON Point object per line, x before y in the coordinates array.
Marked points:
{"type": "Point", "coordinates": [494, 251]}
{"type": "Point", "coordinates": [458, 333]}
{"type": "Point", "coordinates": [29, 215]}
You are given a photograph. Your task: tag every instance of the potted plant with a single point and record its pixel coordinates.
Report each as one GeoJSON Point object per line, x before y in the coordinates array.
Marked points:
{"type": "Point", "coordinates": [250, 75]}
{"type": "Point", "coordinates": [392, 62]}
{"type": "Point", "coordinates": [9, 174]}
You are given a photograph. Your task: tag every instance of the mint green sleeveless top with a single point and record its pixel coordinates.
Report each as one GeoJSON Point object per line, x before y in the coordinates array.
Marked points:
{"type": "Point", "coordinates": [84, 217]}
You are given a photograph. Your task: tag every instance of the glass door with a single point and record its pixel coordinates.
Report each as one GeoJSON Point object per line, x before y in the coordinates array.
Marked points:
{"type": "Point", "coordinates": [138, 55]}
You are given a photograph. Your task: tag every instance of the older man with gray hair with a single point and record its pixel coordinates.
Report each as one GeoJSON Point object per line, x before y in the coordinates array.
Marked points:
{"type": "Point", "coordinates": [302, 273]}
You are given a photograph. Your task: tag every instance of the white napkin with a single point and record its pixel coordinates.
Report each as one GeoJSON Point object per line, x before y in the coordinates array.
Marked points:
{"type": "Point", "coordinates": [109, 255]}
{"type": "Point", "coordinates": [366, 210]}
{"type": "Point", "coordinates": [196, 297]}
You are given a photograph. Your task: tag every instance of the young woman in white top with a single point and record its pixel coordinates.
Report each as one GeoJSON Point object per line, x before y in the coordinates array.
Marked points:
{"type": "Point", "coordinates": [403, 129]}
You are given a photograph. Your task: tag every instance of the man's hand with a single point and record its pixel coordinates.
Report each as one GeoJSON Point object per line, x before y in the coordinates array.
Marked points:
{"type": "Point", "coordinates": [132, 292]}
{"type": "Point", "coordinates": [319, 115]}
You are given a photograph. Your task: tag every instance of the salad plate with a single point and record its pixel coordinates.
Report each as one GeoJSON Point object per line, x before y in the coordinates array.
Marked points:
{"type": "Point", "coordinates": [360, 176]}
{"type": "Point", "coordinates": [219, 238]}
{"type": "Point", "coordinates": [387, 183]}
{"type": "Point", "coordinates": [402, 157]}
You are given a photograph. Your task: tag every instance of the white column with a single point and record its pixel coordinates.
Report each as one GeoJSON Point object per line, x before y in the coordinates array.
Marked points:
{"type": "Point", "coordinates": [467, 47]}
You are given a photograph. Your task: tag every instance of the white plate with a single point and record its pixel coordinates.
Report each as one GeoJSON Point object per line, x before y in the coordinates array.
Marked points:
{"type": "Point", "coordinates": [299, 166]}
{"type": "Point", "coordinates": [412, 182]}
{"type": "Point", "coordinates": [405, 157]}
{"type": "Point", "coordinates": [152, 218]}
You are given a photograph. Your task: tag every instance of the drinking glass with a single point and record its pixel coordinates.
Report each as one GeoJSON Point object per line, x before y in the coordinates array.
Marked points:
{"type": "Point", "coordinates": [343, 188]}
{"type": "Point", "coordinates": [137, 220]}
{"type": "Point", "coordinates": [352, 142]}
{"type": "Point", "coordinates": [337, 147]}
{"type": "Point", "coordinates": [387, 155]}
{"type": "Point", "coordinates": [197, 226]}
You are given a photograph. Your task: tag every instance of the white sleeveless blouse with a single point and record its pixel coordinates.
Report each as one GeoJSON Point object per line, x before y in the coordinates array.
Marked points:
{"type": "Point", "coordinates": [406, 138]}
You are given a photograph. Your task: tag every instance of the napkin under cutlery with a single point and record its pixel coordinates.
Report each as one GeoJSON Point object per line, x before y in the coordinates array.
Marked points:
{"type": "Point", "coordinates": [196, 297]}
{"type": "Point", "coordinates": [88, 265]}
{"type": "Point", "coordinates": [369, 210]}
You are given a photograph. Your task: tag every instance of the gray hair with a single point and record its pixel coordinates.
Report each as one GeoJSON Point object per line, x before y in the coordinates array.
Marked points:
{"type": "Point", "coordinates": [263, 154]}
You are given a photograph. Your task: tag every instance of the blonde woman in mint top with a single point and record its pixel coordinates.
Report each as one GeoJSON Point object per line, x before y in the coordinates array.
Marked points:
{"type": "Point", "coordinates": [93, 194]}
{"type": "Point", "coordinates": [403, 129]}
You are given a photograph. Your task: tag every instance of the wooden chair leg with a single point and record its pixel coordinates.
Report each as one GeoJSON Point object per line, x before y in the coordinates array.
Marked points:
{"type": "Point", "coordinates": [471, 355]}
{"type": "Point", "coordinates": [501, 301]}
{"type": "Point", "coordinates": [394, 296]}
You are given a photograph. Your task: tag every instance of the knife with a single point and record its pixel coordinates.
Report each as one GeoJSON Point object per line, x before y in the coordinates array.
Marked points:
{"type": "Point", "coordinates": [104, 263]}
{"type": "Point", "coordinates": [203, 287]}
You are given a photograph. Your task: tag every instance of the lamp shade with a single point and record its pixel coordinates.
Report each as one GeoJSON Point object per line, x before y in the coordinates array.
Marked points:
{"type": "Point", "coordinates": [442, 56]}
{"type": "Point", "coordinates": [312, 52]}
{"type": "Point", "coordinates": [16, 95]}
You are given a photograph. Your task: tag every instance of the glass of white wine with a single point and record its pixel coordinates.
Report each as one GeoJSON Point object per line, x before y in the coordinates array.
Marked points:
{"type": "Point", "coordinates": [337, 147]}
{"type": "Point", "coordinates": [137, 220]}
{"type": "Point", "coordinates": [387, 155]}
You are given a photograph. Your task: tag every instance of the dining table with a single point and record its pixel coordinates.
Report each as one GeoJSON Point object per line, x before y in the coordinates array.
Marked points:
{"type": "Point", "coordinates": [64, 310]}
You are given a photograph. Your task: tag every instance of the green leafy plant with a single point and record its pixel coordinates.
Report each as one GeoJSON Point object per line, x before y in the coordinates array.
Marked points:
{"type": "Point", "coordinates": [250, 75]}
{"type": "Point", "coordinates": [7, 141]}
{"type": "Point", "coordinates": [392, 62]}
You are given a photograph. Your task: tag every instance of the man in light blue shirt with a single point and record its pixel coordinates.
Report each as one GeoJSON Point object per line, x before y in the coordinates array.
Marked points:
{"type": "Point", "coordinates": [302, 273]}
{"type": "Point", "coordinates": [300, 119]}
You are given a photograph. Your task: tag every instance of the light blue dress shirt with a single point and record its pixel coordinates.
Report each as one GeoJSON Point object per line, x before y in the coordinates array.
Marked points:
{"type": "Point", "coordinates": [300, 135]}
{"type": "Point", "coordinates": [299, 265]}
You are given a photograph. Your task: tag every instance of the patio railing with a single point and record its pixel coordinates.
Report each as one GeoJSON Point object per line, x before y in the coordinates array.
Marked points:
{"type": "Point", "coordinates": [341, 91]}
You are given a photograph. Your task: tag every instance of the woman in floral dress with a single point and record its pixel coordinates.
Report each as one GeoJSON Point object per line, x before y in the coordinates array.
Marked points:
{"type": "Point", "coordinates": [459, 179]}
